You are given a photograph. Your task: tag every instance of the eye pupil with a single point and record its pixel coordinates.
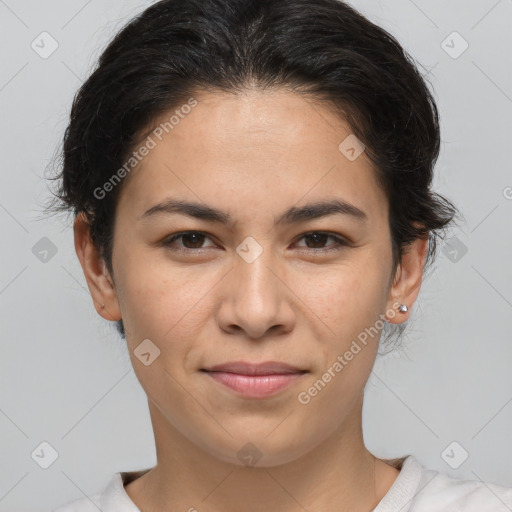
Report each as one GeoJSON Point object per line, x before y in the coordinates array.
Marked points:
{"type": "Point", "coordinates": [190, 242]}
{"type": "Point", "coordinates": [192, 235]}
{"type": "Point", "coordinates": [316, 236]}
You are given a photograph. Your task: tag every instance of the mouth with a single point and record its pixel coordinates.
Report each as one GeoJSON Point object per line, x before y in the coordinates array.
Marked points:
{"type": "Point", "coordinates": [255, 380]}
{"type": "Point", "coordinates": [265, 368]}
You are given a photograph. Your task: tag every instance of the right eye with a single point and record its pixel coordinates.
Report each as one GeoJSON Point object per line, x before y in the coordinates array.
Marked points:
{"type": "Point", "coordinates": [189, 238]}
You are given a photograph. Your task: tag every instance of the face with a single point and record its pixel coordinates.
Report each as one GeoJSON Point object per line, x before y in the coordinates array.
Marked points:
{"type": "Point", "coordinates": [249, 283]}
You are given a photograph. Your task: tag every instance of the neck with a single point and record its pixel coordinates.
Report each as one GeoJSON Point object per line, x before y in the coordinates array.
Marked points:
{"type": "Point", "coordinates": [339, 475]}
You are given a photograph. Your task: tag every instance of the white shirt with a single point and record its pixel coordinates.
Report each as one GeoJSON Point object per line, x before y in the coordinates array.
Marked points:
{"type": "Point", "coordinates": [416, 489]}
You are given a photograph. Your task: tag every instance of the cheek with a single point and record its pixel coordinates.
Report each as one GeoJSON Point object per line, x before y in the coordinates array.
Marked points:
{"type": "Point", "coordinates": [346, 296]}
{"type": "Point", "coordinates": [348, 303]}
{"type": "Point", "coordinates": [165, 302]}
{"type": "Point", "coordinates": [170, 307]}
{"type": "Point", "coordinates": [169, 312]}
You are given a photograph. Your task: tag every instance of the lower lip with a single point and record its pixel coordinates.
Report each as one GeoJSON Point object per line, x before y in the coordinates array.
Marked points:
{"type": "Point", "coordinates": [255, 386]}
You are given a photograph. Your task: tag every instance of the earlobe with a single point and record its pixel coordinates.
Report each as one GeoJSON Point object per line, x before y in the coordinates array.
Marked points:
{"type": "Point", "coordinates": [407, 283]}
{"type": "Point", "coordinates": [99, 281]}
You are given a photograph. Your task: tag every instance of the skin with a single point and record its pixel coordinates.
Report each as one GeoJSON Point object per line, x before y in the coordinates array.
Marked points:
{"type": "Point", "coordinates": [254, 155]}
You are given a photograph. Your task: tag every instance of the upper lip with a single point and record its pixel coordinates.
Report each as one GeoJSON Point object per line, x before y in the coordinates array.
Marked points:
{"type": "Point", "coordinates": [265, 368]}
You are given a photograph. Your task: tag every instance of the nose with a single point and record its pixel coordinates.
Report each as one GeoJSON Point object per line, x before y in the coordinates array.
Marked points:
{"type": "Point", "coordinates": [256, 300]}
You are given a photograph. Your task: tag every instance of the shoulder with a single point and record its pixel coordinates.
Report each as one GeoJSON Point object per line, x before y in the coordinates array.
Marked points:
{"type": "Point", "coordinates": [418, 489]}
{"type": "Point", "coordinates": [438, 491]}
{"type": "Point", "coordinates": [112, 498]}
{"type": "Point", "coordinates": [88, 504]}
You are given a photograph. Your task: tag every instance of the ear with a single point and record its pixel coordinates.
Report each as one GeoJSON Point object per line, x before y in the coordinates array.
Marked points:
{"type": "Point", "coordinates": [407, 281]}
{"type": "Point", "coordinates": [98, 279]}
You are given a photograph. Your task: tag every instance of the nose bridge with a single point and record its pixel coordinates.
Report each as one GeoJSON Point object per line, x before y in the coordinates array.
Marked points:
{"type": "Point", "coordinates": [255, 296]}
{"type": "Point", "coordinates": [254, 269]}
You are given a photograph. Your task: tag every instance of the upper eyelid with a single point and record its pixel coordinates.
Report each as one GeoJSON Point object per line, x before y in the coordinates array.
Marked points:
{"type": "Point", "coordinates": [179, 234]}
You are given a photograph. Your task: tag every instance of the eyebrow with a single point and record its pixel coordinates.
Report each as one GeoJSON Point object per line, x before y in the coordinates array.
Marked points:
{"type": "Point", "coordinates": [290, 216]}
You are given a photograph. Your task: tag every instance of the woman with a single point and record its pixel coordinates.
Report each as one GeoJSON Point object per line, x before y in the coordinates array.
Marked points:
{"type": "Point", "coordinates": [251, 184]}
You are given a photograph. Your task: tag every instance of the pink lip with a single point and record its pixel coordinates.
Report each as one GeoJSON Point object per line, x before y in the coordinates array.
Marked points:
{"type": "Point", "coordinates": [265, 368]}
{"type": "Point", "coordinates": [255, 380]}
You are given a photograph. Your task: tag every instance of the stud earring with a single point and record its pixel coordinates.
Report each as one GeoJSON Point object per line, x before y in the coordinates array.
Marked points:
{"type": "Point", "coordinates": [403, 308]}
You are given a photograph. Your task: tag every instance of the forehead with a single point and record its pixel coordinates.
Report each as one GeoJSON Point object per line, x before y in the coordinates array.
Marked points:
{"type": "Point", "coordinates": [266, 146]}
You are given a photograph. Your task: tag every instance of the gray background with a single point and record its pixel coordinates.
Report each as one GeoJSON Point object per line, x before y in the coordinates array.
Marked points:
{"type": "Point", "coordinates": [65, 376]}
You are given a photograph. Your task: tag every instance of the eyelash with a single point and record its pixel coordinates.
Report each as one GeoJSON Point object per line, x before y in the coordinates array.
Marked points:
{"type": "Point", "coordinates": [338, 245]}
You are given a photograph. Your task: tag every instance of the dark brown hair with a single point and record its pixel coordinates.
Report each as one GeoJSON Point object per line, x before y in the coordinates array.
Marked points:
{"type": "Point", "coordinates": [323, 49]}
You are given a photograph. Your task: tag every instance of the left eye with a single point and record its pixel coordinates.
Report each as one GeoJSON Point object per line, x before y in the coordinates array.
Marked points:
{"type": "Point", "coordinates": [196, 239]}
{"type": "Point", "coordinates": [320, 237]}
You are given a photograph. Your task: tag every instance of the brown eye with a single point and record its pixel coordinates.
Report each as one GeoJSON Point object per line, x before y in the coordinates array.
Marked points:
{"type": "Point", "coordinates": [319, 238]}
{"type": "Point", "coordinates": [190, 239]}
